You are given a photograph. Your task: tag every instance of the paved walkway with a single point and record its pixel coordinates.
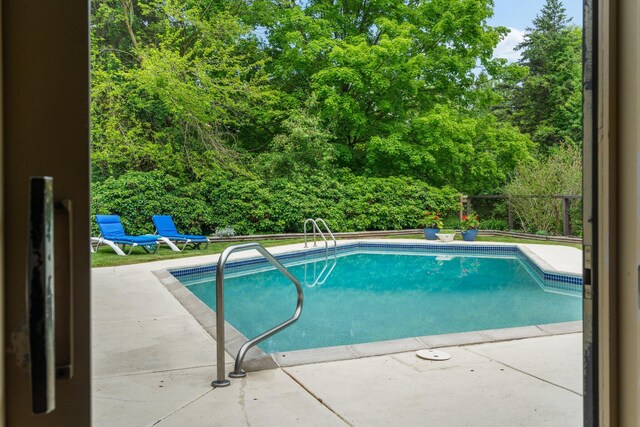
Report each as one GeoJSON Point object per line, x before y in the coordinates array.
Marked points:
{"type": "Point", "coordinates": [153, 364]}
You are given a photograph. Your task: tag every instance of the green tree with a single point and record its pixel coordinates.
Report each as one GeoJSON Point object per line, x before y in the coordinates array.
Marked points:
{"type": "Point", "coordinates": [548, 103]}
{"type": "Point", "coordinates": [447, 147]}
{"type": "Point", "coordinates": [395, 86]}
{"type": "Point", "coordinates": [301, 148]}
{"type": "Point", "coordinates": [372, 67]}
{"type": "Point", "coordinates": [173, 84]}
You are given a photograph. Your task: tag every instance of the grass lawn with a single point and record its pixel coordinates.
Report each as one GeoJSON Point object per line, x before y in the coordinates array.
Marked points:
{"type": "Point", "coordinates": [105, 257]}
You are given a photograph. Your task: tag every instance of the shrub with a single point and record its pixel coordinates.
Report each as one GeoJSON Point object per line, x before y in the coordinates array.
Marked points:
{"type": "Point", "coordinates": [559, 174]}
{"type": "Point", "coordinates": [575, 215]}
{"type": "Point", "coordinates": [249, 206]}
{"type": "Point", "coordinates": [136, 196]}
{"type": "Point", "coordinates": [494, 224]}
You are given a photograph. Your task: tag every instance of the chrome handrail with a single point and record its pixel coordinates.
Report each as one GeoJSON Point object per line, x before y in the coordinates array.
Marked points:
{"type": "Point", "coordinates": [335, 242]}
{"type": "Point", "coordinates": [237, 371]}
{"type": "Point", "coordinates": [316, 228]}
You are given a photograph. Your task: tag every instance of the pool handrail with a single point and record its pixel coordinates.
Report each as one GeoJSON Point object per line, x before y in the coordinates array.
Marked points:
{"type": "Point", "coordinates": [220, 381]}
{"type": "Point", "coordinates": [316, 228]}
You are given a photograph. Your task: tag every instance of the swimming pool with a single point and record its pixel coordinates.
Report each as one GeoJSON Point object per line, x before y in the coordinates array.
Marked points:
{"type": "Point", "coordinates": [374, 292]}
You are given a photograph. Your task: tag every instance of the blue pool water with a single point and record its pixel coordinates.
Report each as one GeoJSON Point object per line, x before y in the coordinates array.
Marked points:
{"type": "Point", "coordinates": [372, 296]}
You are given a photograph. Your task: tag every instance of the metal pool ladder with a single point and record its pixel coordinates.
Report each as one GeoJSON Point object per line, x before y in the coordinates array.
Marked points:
{"type": "Point", "coordinates": [316, 229]}
{"type": "Point", "coordinates": [221, 381]}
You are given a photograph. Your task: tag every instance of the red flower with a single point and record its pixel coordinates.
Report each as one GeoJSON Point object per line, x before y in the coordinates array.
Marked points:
{"type": "Point", "coordinates": [465, 218]}
{"type": "Point", "coordinates": [437, 213]}
{"type": "Point", "coordinates": [428, 213]}
{"type": "Point", "coordinates": [476, 217]}
{"type": "Point", "coordinates": [435, 218]}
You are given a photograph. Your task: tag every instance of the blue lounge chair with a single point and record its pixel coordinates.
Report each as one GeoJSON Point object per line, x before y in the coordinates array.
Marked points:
{"type": "Point", "coordinates": [166, 228]}
{"type": "Point", "coordinates": [112, 234]}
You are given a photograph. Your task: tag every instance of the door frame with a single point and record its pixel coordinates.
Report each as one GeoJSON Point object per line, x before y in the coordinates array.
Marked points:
{"type": "Point", "coordinates": [611, 213]}
{"type": "Point", "coordinates": [45, 129]}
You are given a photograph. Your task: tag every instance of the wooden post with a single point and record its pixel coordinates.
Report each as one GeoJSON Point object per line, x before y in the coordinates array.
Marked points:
{"type": "Point", "coordinates": [463, 200]}
{"type": "Point", "coordinates": [510, 207]}
{"type": "Point", "coordinates": [566, 226]}
{"type": "Point", "coordinates": [468, 205]}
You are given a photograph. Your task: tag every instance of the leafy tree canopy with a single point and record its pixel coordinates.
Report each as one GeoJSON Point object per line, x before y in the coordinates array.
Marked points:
{"type": "Point", "coordinates": [231, 102]}
{"type": "Point", "coordinates": [172, 87]}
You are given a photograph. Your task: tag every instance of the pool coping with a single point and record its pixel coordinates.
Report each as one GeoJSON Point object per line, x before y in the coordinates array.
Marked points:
{"type": "Point", "coordinates": [256, 359]}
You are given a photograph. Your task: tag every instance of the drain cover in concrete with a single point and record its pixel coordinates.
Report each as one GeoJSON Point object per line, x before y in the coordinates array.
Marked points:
{"type": "Point", "coordinates": [433, 355]}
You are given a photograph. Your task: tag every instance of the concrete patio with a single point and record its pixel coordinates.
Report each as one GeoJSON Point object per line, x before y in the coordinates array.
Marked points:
{"type": "Point", "coordinates": [153, 364]}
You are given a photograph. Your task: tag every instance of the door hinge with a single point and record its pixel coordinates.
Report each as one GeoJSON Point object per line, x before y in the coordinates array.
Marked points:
{"type": "Point", "coordinates": [587, 254]}
{"type": "Point", "coordinates": [587, 291]}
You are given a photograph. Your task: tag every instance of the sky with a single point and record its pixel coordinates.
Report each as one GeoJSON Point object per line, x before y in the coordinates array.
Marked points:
{"type": "Point", "coordinates": [517, 15]}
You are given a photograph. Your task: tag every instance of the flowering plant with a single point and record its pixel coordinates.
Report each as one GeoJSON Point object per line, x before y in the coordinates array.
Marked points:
{"type": "Point", "coordinates": [469, 222]}
{"type": "Point", "coordinates": [434, 220]}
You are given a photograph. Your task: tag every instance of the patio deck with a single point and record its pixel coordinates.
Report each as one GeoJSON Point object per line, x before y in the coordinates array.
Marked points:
{"type": "Point", "coordinates": [153, 364]}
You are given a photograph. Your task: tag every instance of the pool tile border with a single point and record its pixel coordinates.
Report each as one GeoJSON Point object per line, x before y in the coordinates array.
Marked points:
{"type": "Point", "coordinates": [259, 360]}
{"type": "Point", "coordinates": [535, 264]}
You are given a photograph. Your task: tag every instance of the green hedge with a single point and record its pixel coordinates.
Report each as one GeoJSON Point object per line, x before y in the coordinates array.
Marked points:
{"type": "Point", "coordinates": [345, 201]}
{"type": "Point", "coordinates": [136, 196]}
